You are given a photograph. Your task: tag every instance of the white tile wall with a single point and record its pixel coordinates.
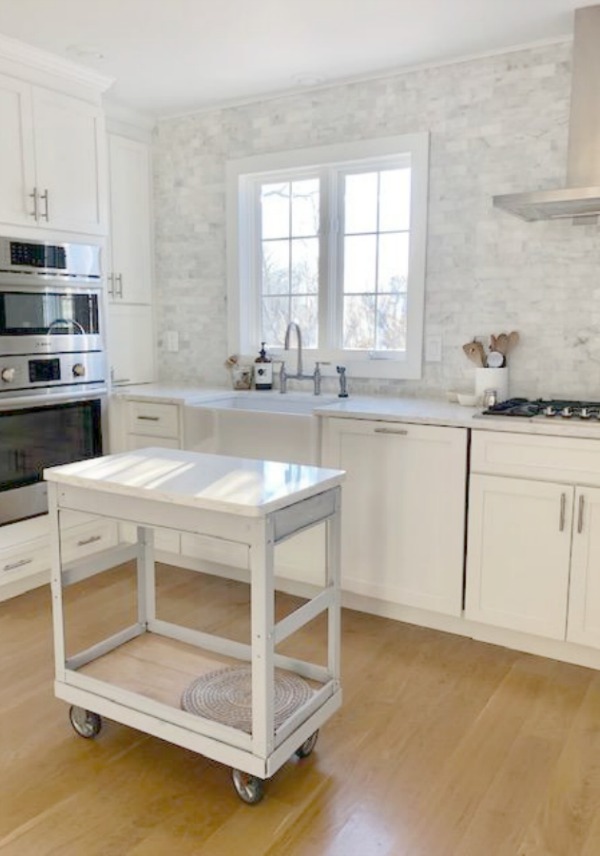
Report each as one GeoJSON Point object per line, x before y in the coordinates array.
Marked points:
{"type": "Point", "coordinates": [497, 125]}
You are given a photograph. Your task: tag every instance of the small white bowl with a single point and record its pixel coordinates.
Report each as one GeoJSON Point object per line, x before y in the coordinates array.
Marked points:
{"type": "Point", "coordinates": [467, 399]}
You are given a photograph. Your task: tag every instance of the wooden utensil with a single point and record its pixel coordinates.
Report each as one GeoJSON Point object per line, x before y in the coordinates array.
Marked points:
{"type": "Point", "coordinates": [475, 352]}
{"type": "Point", "coordinates": [499, 343]}
{"type": "Point", "coordinates": [513, 341]}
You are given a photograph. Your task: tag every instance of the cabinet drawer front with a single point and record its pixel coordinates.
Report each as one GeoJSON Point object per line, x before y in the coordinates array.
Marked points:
{"type": "Point", "coordinates": [544, 458]}
{"type": "Point", "coordinates": [91, 538]}
{"type": "Point", "coordinates": [164, 539]}
{"type": "Point", "coordinates": [153, 419]}
{"type": "Point", "coordinates": [22, 562]}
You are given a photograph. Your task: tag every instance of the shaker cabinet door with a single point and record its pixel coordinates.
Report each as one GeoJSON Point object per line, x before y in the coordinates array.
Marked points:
{"type": "Point", "coordinates": [584, 599]}
{"type": "Point", "coordinates": [70, 156]}
{"type": "Point", "coordinates": [17, 175]}
{"type": "Point", "coordinates": [518, 554]}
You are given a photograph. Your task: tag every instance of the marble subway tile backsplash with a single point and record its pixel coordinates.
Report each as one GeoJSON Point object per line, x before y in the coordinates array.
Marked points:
{"type": "Point", "coordinates": [498, 125]}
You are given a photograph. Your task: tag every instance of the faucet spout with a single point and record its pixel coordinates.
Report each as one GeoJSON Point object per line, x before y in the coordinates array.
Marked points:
{"type": "Point", "coordinates": [295, 327]}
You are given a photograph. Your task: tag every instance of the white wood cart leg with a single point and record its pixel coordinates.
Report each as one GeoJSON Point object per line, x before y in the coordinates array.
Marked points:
{"type": "Point", "coordinates": [333, 575]}
{"type": "Point", "coordinates": [263, 620]}
{"type": "Point", "coordinates": [56, 584]}
{"type": "Point", "coordinates": [146, 583]}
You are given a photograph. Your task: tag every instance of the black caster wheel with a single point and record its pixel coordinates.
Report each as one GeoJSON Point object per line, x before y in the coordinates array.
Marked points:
{"type": "Point", "coordinates": [305, 750]}
{"type": "Point", "coordinates": [84, 722]}
{"type": "Point", "coordinates": [249, 788]}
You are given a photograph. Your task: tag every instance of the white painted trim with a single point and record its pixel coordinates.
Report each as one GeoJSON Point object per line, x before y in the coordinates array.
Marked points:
{"type": "Point", "coordinates": [243, 173]}
{"type": "Point", "coordinates": [367, 77]}
{"type": "Point", "coordinates": [44, 61]}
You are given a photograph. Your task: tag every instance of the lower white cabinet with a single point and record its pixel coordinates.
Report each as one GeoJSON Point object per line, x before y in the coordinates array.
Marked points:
{"type": "Point", "coordinates": [149, 423]}
{"type": "Point", "coordinates": [403, 510]}
{"type": "Point", "coordinates": [533, 551]}
{"type": "Point", "coordinates": [25, 559]}
{"type": "Point", "coordinates": [518, 554]}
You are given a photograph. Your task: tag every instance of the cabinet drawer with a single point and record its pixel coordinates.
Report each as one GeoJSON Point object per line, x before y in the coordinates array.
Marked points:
{"type": "Point", "coordinates": [91, 538]}
{"type": "Point", "coordinates": [565, 459]}
{"type": "Point", "coordinates": [215, 550]}
{"type": "Point", "coordinates": [23, 561]}
{"type": "Point", "coordinates": [164, 539]}
{"type": "Point", "coordinates": [153, 419]}
{"type": "Point", "coordinates": [142, 441]}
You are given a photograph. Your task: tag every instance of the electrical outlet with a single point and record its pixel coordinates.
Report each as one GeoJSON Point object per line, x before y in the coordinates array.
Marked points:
{"type": "Point", "coordinates": [172, 341]}
{"type": "Point", "coordinates": [433, 349]}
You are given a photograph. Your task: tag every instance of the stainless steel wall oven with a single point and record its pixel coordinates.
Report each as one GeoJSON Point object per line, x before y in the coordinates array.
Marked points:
{"type": "Point", "coordinates": [52, 366]}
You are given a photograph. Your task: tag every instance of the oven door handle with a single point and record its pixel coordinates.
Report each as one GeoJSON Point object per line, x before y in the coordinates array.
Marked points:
{"type": "Point", "coordinates": [66, 322]}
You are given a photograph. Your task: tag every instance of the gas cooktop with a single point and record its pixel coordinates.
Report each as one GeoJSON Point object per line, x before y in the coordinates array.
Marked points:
{"type": "Point", "coordinates": [549, 408]}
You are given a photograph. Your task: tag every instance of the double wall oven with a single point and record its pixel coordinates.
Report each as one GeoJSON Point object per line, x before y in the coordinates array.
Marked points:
{"type": "Point", "coordinates": [52, 366]}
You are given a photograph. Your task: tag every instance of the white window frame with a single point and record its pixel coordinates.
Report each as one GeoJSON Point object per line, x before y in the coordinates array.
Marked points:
{"type": "Point", "coordinates": [243, 262]}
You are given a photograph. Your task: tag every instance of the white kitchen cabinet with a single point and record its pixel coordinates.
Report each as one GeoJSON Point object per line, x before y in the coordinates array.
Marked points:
{"type": "Point", "coordinates": [518, 554]}
{"type": "Point", "coordinates": [403, 511]}
{"type": "Point", "coordinates": [17, 174]}
{"type": "Point", "coordinates": [53, 160]}
{"type": "Point", "coordinates": [151, 423]}
{"type": "Point", "coordinates": [584, 599]}
{"type": "Point", "coordinates": [131, 344]}
{"type": "Point", "coordinates": [130, 274]}
{"type": "Point", "coordinates": [533, 552]}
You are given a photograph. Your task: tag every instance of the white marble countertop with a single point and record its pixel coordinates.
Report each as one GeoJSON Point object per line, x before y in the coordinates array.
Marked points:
{"type": "Point", "coordinates": [419, 411]}
{"type": "Point", "coordinates": [220, 483]}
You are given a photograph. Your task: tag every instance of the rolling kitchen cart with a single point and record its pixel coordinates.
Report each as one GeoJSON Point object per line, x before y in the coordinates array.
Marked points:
{"type": "Point", "coordinates": [242, 509]}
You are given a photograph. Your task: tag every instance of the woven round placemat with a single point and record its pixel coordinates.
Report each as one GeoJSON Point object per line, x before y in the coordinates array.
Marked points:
{"type": "Point", "coordinates": [225, 696]}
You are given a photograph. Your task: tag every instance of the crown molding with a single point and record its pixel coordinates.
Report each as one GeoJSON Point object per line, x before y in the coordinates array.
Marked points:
{"type": "Point", "coordinates": [39, 60]}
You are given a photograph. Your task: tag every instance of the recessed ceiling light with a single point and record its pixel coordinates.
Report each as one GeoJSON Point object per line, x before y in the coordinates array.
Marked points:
{"type": "Point", "coordinates": [85, 51]}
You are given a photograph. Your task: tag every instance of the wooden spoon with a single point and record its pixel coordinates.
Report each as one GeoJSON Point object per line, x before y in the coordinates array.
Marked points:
{"type": "Point", "coordinates": [513, 340]}
{"type": "Point", "coordinates": [475, 352]}
{"type": "Point", "coordinates": [500, 343]}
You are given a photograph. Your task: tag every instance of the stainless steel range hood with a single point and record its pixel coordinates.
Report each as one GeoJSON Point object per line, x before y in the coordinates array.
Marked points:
{"type": "Point", "coordinates": [580, 199]}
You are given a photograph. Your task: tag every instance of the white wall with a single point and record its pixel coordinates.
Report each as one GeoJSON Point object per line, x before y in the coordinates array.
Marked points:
{"type": "Point", "coordinates": [497, 124]}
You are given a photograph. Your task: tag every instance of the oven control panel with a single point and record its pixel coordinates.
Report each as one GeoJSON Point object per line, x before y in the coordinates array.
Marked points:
{"type": "Point", "coordinates": [22, 373]}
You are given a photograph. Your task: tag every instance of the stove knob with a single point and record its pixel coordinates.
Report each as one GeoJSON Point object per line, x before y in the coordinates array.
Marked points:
{"type": "Point", "coordinates": [79, 370]}
{"type": "Point", "coordinates": [567, 412]}
{"type": "Point", "coordinates": [7, 375]}
{"type": "Point", "coordinates": [584, 413]}
{"type": "Point", "coordinates": [549, 411]}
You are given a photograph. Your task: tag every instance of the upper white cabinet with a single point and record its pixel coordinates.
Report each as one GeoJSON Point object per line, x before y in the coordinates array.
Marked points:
{"type": "Point", "coordinates": [130, 274]}
{"type": "Point", "coordinates": [403, 510]}
{"type": "Point", "coordinates": [52, 172]}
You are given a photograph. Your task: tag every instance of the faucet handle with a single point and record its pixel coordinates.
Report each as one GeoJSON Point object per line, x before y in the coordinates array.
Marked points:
{"type": "Point", "coordinates": [319, 363]}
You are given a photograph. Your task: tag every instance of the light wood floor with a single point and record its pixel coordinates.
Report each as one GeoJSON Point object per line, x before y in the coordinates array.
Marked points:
{"type": "Point", "coordinates": [443, 747]}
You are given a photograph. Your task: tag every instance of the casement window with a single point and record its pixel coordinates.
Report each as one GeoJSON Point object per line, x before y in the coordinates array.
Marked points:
{"type": "Point", "coordinates": [334, 239]}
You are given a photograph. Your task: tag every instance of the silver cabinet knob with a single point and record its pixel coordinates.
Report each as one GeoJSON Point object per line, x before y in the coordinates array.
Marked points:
{"type": "Point", "coordinates": [79, 370]}
{"type": "Point", "coordinates": [7, 375]}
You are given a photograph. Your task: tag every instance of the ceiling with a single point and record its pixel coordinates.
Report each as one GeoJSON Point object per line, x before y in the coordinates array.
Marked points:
{"type": "Point", "coordinates": [175, 56]}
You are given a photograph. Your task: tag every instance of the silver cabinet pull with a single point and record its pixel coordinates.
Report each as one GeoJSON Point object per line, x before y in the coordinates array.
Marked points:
{"type": "Point", "coordinates": [563, 509]}
{"type": "Point", "coordinates": [21, 563]}
{"type": "Point", "coordinates": [117, 380]}
{"type": "Point", "coordinates": [34, 196]}
{"type": "Point", "coordinates": [119, 281]}
{"type": "Point", "coordinates": [46, 213]}
{"type": "Point", "coordinates": [401, 431]}
{"type": "Point", "coordinates": [150, 418]}
{"type": "Point", "coordinates": [580, 514]}
{"type": "Point", "coordinates": [91, 540]}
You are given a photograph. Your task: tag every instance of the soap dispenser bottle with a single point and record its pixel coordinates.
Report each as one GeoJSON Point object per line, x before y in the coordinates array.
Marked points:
{"type": "Point", "coordinates": [263, 372]}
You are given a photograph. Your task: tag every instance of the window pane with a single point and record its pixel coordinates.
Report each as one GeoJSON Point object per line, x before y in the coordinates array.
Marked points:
{"type": "Point", "coordinates": [360, 208]}
{"type": "Point", "coordinates": [275, 317]}
{"type": "Point", "coordinates": [305, 265]}
{"type": "Point", "coordinates": [394, 200]}
{"type": "Point", "coordinates": [359, 322]}
{"type": "Point", "coordinates": [360, 263]}
{"type": "Point", "coordinates": [391, 322]}
{"type": "Point", "coordinates": [305, 207]}
{"type": "Point", "coordinates": [275, 201]}
{"type": "Point", "coordinates": [276, 267]}
{"type": "Point", "coordinates": [305, 312]}
{"type": "Point", "coordinates": [393, 262]}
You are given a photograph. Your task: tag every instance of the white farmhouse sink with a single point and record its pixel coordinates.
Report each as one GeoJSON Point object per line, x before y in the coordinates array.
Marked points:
{"type": "Point", "coordinates": [270, 426]}
{"type": "Point", "coordinates": [273, 402]}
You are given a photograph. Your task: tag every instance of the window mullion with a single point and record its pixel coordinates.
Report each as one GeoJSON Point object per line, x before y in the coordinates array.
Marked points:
{"type": "Point", "coordinates": [324, 312]}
